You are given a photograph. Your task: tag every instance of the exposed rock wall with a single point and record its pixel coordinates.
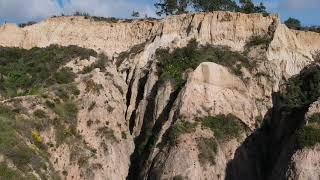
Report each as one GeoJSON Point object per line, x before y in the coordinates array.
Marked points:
{"type": "Point", "coordinates": [143, 106]}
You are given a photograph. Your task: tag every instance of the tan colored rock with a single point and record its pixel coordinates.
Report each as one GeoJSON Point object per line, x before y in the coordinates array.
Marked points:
{"type": "Point", "coordinates": [212, 90]}
{"type": "Point", "coordinates": [305, 164]}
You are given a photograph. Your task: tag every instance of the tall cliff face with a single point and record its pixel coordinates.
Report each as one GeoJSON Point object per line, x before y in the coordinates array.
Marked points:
{"type": "Point", "coordinates": [140, 124]}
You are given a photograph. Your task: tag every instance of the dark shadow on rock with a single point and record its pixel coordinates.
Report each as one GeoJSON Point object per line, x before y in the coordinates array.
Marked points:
{"type": "Point", "coordinates": [268, 147]}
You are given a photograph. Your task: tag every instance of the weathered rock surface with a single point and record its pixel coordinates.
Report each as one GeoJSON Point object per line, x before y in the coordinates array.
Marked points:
{"type": "Point", "coordinates": [135, 104]}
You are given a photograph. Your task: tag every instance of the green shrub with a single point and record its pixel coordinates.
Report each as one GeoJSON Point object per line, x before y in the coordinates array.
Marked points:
{"type": "Point", "coordinates": [104, 19]}
{"type": "Point", "coordinates": [257, 40]}
{"type": "Point", "coordinates": [92, 105]}
{"type": "Point", "coordinates": [37, 139]}
{"type": "Point", "coordinates": [136, 49]}
{"type": "Point", "coordinates": [174, 64]}
{"type": "Point", "coordinates": [79, 13]}
{"type": "Point", "coordinates": [64, 76]}
{"type": "Point", "coordinates": [308, 136]}
{"type": "Point", "coordinates": [14, 147]}
{"type": "Point", "coordinates": [100, 63]}
{"type": "Point", "coordinates": [83, 160]}
{"type": "Point", "coordinates": [65, 91]}
{"type": "Point", "coordinates": [316, 55]}
{"type": "Point", "coordinates": [208, 149]}
{"type": "Point", "coordinates": [314, 118]}
{"type": "Point", "coordinates": [50, 104]}
{"type": "Point", "coordinates": [67, 111]}
{"type": "Point", "coordinates": [93, 87]}
{"type": "Point", "coordinates": [22, 25]}
{"type": "Point", "coordinates": [123, 135]}
{"type": "Point", "coordinates": [179, 128]}
{"type": "Point", "coordinates": [106, 133]}
{"type": "Point", "coordinates": [65, 173]}
{"type": "Point", "coordinates": [302, 90]}
{"type": "Point", "coordinates": [8, 174]}
{"type": "Point", "coordinates": [224, 127]}
{"type": "Point", "coordinates": [178, 177]}
{"type": "Point", "coordinates": [24, 72]}
{"type": "Point", "coordinates": [40, 113]}
{"type": "Point", "coordinates": [89, 123]}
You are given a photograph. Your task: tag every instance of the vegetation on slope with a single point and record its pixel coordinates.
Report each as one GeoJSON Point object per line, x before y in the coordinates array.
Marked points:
{"type": "Point", "coordinates": [208, 148]}
{"type": "Point", "coordinates": [26, 157]}
{"type": "Point", "coordinates": [179, 128]}
{"type": "Point", "coordinates": [224, 127]}
{"type": "Point", "coordinates": [40, 71]}
{"type": "Point", "coordinates": [24, 72]}
{"type": "Point", "coordinates": [300, 92]}
{"type": "Point", "coordinates": [175, 63]}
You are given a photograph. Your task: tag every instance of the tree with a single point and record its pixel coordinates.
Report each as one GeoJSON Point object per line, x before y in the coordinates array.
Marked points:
{"type": "Point", "coordinates": [214, 5]}
{"type": "Point", "coordinates": [171, 7]}
{"type": "Point", "coordinates": [248, 7]}
{"type": "Point", "coordinates": [135, 14]}
{"type": "Point", "coordinates": [293, 23]}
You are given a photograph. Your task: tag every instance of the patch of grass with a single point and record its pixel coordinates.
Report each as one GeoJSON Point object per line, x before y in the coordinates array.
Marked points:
{"type": "Point", "coordinates": [179, 128]}
{"type": "Point", "coordinates": [175, 63]}
{"type": "Point", "coordinates": [24, 72]}
{"type": "Point", "coordinates": [224, 127]}
{"type": "Point", "coordinates": [208, 149]}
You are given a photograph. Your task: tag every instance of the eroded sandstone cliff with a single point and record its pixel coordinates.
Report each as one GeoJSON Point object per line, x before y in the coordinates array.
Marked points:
{"type": "Point", "coordinates": [141, 126]}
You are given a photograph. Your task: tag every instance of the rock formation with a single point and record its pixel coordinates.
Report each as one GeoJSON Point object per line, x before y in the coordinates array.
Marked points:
{"type": "Point", "coordinates": [136, 124]}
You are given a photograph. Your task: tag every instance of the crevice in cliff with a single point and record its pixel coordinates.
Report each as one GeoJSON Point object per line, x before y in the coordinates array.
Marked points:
{"type": "Point", "coordinates": [154, 171]}
{"type": "Point", "coordinates": [146, 141]}
{"type": "Point", "coordinates": [189, 28]}
{"type": "Point", "coordinates": [129, 92]}
{"type": "Point", "coordinates": [141, 87]}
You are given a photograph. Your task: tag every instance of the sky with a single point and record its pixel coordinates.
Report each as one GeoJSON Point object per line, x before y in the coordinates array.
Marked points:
{"type": "Point", "coordinates": [18, 11]}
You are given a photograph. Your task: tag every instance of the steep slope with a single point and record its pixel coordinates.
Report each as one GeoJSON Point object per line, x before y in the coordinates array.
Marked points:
{"type": "Point", "coordinates": [176, 98]}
